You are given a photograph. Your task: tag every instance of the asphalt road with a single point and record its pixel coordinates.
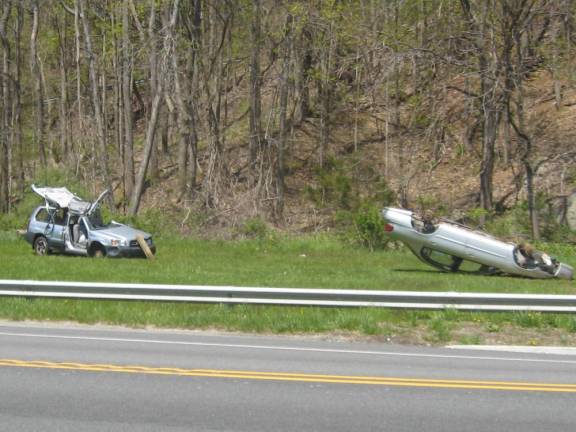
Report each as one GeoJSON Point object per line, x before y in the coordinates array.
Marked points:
{"type": "Point", "coordinates": [57, 378]}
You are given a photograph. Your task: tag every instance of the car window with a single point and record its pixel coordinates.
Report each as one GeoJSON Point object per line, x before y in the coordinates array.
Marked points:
{"type": "Point", "coordinates": [440, 260]}
{"type": "Point", "coordinates": [424, 224]}
{"type": "Point", "coordinates": [83, 227]}
{"type": "Point", "coordinates": [452, 263]}
{"type": "Point", "coordinates": [96, 221]}
{"type": "Point", "coordinates": [470, 266]}
{"type": "Point", "coordinates": [60, 217]}
{"type": "Point", "coordinates": [43, 216]}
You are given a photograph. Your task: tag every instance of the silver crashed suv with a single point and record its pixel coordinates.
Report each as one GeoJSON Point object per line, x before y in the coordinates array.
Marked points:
{"type": "Point", "coordinates": [68, 224]}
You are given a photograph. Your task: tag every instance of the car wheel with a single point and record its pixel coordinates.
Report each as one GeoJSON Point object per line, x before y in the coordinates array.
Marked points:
{"type": "Point", "coordinates": [41, 246]}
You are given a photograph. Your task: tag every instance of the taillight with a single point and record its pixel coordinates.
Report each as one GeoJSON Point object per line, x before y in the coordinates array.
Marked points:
{"type": "Point", "coordinates": [388, 227]}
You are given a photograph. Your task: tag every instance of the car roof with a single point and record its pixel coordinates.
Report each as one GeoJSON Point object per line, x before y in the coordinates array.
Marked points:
{"type": "Point", "coordinates": [61, 197]}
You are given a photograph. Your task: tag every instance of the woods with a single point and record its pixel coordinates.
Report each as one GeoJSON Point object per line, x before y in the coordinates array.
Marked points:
{"type": "Point", "coordinates": [242, 106]}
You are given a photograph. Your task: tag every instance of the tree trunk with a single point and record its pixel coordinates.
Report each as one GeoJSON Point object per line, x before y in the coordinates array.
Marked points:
{"type": "Point", "coordinates": [491, 97]}
{"type": "Point", "coordinates": [515, 82]}
{"type": "Point", "coordinates": [148, 146]}
{"type": "Point", "coordinates": [78, 138]}
{"type": "Point", "coordinates": [63, 120]}
{"type": "Point", "coordinates": [127, 103]}
{"type": "Point", "coordinates": [186, 102]}
{"type": "Point", "coordinates": [153, 122]}
{"type": "Point", "coordinates": [255, 84]}
{"type": "Point", "coordinates": [215, 172]}
{"type": "Point", "coordinates": [326, 95]}
{"type": "Point", "coordinates": [17, 105]}
{"type": "Point", "coordinates": [38, 88]}
{"type": "Point", "coordinates": [5, 108]}
{"type": "Point", "coordinates": [153, 66]}
{"type": "Point", "coordinates": [531, 198]}
{"type": "Point", "coordinates": [279, 209]}
{"type": "Point", "coordinates": [304, 67]}
{"type": "Point", "coordinates": [195, 93]}
{"type": "Point", "coordinates": [490, 127]}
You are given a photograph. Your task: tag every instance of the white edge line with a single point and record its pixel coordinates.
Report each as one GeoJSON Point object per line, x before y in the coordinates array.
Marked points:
{"type": "Point", "coordinates": [548, 350]}
{"type": "Point", "coordinates": [285, 348]}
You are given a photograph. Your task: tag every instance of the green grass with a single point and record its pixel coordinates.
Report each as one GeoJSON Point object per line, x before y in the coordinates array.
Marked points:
{"type": "Point", "coordinates": [311, 262]}
{"type": "Point", "coordinates": [291, 262]}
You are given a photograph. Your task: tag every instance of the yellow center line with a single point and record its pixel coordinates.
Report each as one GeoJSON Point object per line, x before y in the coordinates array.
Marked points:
{"type": "Point", "coordinates": [298, 377]}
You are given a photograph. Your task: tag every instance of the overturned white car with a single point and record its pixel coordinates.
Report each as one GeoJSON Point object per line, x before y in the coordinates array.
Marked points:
{"type": "Point", "coordinates": [453, 247]}
{"type": "Point", "coordinates": [71, 225]}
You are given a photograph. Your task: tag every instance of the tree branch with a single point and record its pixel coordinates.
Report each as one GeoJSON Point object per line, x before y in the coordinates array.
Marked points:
{"type": "Point", "coordinates": [68, 8]}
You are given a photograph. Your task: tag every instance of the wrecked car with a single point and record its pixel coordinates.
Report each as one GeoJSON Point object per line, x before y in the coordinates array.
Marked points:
{"type": "Point", "coordinates": [71, 225]}
{"type": "Point", "coordinates": [453, 247]}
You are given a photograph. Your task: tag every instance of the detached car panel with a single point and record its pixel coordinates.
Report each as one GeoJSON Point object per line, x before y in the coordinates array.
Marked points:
{"type": "Point", "coordinates": [70, 225]}
{"type": "Point", "coordinates": [453, 247]}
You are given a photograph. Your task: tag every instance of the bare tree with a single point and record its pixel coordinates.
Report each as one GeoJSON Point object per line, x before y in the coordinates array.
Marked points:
{"type": "Point", "coordinates": [186, 96]}
{"type": "Point", "coordinates": [516, 19]}
{"type": "Point", "coordinates": [5, 108]}
{"type": "Point", "coordinates": [284, 87]}
{"type": "Point", "coordinates": [78, 63]}
{"type": "Point", "coordinates": [38, 86]}
{"type": "Point", "coordinates": [63, 120]}
{"type": "Point", "coordinates": [128, 116]}
{"type": "Point", "coordinates": [96, 103]}
{"type": "Point", "coordinates": [326, 90]}
{"type": "Point", "coordinates": [217, 26]}
{"type": "Point", "coordinates": [491, 99]}
{"type": "Point", "coordinates": [153, 122]}
{"type": "Point", "coordinates": [305, 62]}
{"type": "Point", "coordinates": [16, 124]}
{"type": "Point", "coordinates": [255, 84]}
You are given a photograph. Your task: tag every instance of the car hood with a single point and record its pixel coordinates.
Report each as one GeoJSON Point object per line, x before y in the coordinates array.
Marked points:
{"type": "Point", "coordinates": [119, 231]}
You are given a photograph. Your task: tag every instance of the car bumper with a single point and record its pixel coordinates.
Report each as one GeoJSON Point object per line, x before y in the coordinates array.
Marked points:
{"type": "Point", "coordinates": [128, 251]}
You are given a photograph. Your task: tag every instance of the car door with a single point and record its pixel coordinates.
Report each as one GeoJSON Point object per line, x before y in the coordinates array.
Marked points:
{"type": "Point", "coordinates": [40, 222]}
{"type": "Point", "coordinates": [57, 234]}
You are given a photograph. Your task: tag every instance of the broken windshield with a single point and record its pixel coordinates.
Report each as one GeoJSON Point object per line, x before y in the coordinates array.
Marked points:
{"type": "Point", "coordinates": [96, 220]}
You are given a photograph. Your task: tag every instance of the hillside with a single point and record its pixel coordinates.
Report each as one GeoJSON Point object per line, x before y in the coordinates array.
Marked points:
{"type": "Point", "coordinates": [443, 175]}
{"type": "Point", "coordinates": [230, 118]}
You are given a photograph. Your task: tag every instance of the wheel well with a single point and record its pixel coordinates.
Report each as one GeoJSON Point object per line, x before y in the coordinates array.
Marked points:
{"type": "Point", "coordinates": [94, 246]}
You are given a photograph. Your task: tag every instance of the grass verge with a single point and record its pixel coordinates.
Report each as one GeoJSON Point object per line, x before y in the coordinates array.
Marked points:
{"type": "Point", "coordinates": [319, 262]}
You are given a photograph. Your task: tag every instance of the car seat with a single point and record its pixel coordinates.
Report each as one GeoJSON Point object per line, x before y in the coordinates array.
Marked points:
{"type": "Point", "coordinates": [75, 233]}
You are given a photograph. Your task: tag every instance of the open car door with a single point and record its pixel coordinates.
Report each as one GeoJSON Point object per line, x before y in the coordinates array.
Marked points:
{"type": "Point", "coordinates": [96, 203]}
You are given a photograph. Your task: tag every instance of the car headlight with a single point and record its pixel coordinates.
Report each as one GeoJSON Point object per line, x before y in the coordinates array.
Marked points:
{"type": "Point", "coordinates": [118, 242]}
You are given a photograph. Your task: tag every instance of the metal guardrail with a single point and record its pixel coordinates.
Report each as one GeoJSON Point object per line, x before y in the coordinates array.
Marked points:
{"type": "Point", "coordinates": [290, 296]}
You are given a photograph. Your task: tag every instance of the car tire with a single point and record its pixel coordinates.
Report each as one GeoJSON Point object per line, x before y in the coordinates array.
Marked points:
{"type": "Point", "coordinates": [41, 246]}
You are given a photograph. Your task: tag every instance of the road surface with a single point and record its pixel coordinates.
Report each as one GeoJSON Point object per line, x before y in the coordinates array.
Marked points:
{"type": "Point", "coordinates": [72, 378]}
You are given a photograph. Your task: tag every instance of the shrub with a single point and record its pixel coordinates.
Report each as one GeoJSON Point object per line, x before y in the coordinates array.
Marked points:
{"type": "Point", "coordinates": [334, 186]}
{"type": "Point", "coordinates": [254, 228]}
{"type": "Point", "coordinates": [515, 225]}
{"type": "Point", "coordinates": [369, 227]}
